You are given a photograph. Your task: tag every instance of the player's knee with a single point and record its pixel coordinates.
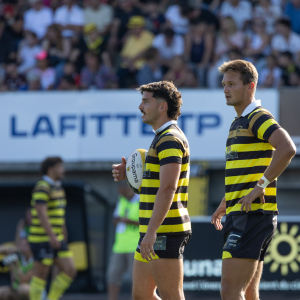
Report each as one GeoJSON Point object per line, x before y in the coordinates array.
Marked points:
{"type": "Point", "coordinates": [252, 294]}
{"type": "Point", "coordinates": [171, 295]}
{"type": "Point", "coordinates": [228, 293]}
{"type": "Point", "coordinates": [72, 272]}
{"type": "Point", "coordinates": [138, 294]}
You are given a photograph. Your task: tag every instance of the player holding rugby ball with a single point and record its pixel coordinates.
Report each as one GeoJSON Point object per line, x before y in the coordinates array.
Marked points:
{"type": "Point", "coordinates": [164, 222]}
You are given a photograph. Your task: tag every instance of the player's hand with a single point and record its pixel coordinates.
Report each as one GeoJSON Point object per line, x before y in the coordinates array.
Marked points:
{"type": "Point", "coordinates": [119, 171]}
{"type": "Point", "coordinates": [218, 215]}
{"type": "Point", "coordinates": [246, 201]}
{"type": "Point", "coordinates": [146, 247]}
{"type": "Point", "coordinates": [55, 244]}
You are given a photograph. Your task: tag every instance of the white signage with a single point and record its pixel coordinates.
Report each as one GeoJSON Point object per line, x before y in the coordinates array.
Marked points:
{"type": "Point", "coordinates": [106, 125]}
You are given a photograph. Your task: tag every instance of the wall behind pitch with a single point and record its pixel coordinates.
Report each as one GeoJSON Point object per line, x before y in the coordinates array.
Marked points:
{"type": "Point", "coordinates": [103, 126]}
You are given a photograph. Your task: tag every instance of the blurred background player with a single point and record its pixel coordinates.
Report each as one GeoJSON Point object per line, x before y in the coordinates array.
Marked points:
{"type": "Point", "coordinates": [46, 235]}
{"type": "Point", "coordinates": [126, 218]}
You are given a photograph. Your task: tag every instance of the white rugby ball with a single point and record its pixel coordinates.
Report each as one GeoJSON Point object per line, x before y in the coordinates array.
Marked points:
{"type": "Point", "coordinates": [135, 169]}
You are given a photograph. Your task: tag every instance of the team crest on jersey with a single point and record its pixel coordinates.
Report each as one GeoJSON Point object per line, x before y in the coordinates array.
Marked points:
{"type": "Point", "coordinates": [231, 155]}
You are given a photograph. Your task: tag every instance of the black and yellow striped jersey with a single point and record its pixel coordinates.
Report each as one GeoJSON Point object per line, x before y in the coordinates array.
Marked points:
{"type": "Point", "coordinates": [54, 197]}
{"type": "Point", "coordinates": [169, 146]}
{"type": "Point", "coordinates": [248, 155]}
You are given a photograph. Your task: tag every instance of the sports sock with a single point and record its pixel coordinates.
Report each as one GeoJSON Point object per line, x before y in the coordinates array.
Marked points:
{"type": "Point", "coordinates": [59, 285]}
{"type": "Point", "coordinates": [37, 286]}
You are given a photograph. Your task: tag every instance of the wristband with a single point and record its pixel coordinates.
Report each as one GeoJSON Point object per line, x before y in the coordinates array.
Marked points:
{"type": "Point", "coordinates": [263, 182]}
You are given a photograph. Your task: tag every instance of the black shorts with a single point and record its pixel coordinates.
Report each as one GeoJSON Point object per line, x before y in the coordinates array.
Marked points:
{"type": "Point", "coordinates": [44, 253]}
{"type": "Point", "coordinates": [248, 236]}
{"type": "Point", "coordinates": [167, 246]}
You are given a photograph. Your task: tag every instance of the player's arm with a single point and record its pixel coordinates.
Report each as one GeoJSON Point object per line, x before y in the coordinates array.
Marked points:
{"type": "Point", "coordinates": [218, 215]}
{"type": "Point", "coordinates": [41, 209]}
{"type": "Point", "coordinates": [169, 176]}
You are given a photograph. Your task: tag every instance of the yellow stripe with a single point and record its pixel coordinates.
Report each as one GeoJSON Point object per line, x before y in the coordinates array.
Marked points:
{"type": "Point", "coordinates": [58, 202]}
{"type": "Point", "coordinates": [183, 182]}
{"type": "Point", "coordinates": [226, 254]}
{"type": "Point", "coordinates": [151, 183]}
{"type": "Point", "coordinates": [185, 167]}
{"type": "Point", "coordinates": [168, 228]}
{"type": "Point", "coordinates": [41, 239]}
{"type": "Point", "coordinates": [243, 178]}
{"type": "Point", "coordinates": [247, 163]}
{"type": "Point", "coordinates": [47, 261]}
{"type": "Point", "coordinates": [263, 127]}
{"type": "Point", "coordinates": [53, 221]}
{"type": "Point", "coordinates": [63, 254]}
{"type": "Point", "coordinates": [254, 206]}
{"type": "Point", "coordinates": [40, 196]}
{"type": "Point", "coordinates": [153, 167]}
{"type": "Point", "coordinates": [151, 198]}
{"type": "Point", "coordinates": [238, 194]}
{"type": "Point", "coordinates": [251, 147]}
{"type": "Point", "coordinates": [261, 109]}
{"type": "Point", "coordinates": [58, 194]}
{"type": "Point", "coordinates": [59, 212]}
{"type": "Point", "coordinates": [173, 213]}
{"type": "Point", "coordinates": [138, 256]}
{"type": "Point", "coordinates": [40, 230]}
{"type": "Point", "coordinates": [170, 152]}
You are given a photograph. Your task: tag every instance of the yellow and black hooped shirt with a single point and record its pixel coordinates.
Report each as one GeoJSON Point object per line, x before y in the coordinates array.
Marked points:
{"type": "Point", "coordinates": [169, 146]}
{"type": "Point", "coordinates": [52, 194]}
{"type": "Point", "coordinates": [248, 155]}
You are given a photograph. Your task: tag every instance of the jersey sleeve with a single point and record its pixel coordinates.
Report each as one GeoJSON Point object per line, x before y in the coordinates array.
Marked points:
{"type": "Point", "coordinates": [262, 124]}
{"type": "Point", "coordinates": [41, 194]}
{"type": "Point", "coordinates": [170, 150]}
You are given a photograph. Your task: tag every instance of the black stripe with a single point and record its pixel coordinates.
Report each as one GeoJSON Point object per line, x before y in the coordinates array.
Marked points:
{"type": "Point", "coordinates": [175, 205]}
{"type": "Point", "coordinates": [171, 159]}
{"type": "Point", "coordinates": [170, 145]}
{"type": "Point", "coordinates": [41, 202]}
{"type": "Point", "coordinates": [183, 175]}
{"type": "Point", "coordinates": [263, 118]}
{"type": "Point", "coordinates": [148, 191]}
{"type": "Point", "coordinates": [244, 186]}
{"type": "Point", "coordinates": [243, 140]}
{"type": "Point", "coordinates": [153, 175]}
{"type": "Point", "coordinates": [269, 131]}
{"type": "Point", "coordinates": [245, 171]}
{"type": "Point", "coordinates": [58, 198]}
{"type": "Point", "coordinates": [41, 191]}
{"type": "Point", "coordinates": [265, 212]}
{"type": "Point", "coordinates": [254, 112]}
{"type": "Point", "coordinates": [268, 199]}
{"type": "Point", "coordinates": [185, 159]}
{"type": "Point", "coordinates": [181, 189]}
{"type": "Point", "coordinates": [56, 207]}
{"type": "Point", "coordinates": [254, 154]}
{"type": "Point", "coordinates": [152, 160]}
{"type": "Point", "coordinates": [167, 221]}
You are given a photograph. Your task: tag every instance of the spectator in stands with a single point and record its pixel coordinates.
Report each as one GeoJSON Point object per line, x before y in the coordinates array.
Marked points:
{"type": "Point", "coordinates": [269, 12]}
{"type": "Point", "coordinates": [137, 42]}
{"type": "Point", "coordinates": [168, 45]}
{"type": "Point", "coordinates": [70, 18]}
{"type": "Point", "coordinates": [257, 44]}
{"type": "Point", "coordinates": [198, 50]}
{"type": "Point", "coordinates": [7, 40]}
{"type": "Point", "coordinates": [290, 73]}
{"type": "Point", "coordinates": [16, 33]}
{"type": "Point", "coordinates": [43, 71]}
{"type": "Point", "coordinates": [152, 70]}
{"type": "Point", "coordinates": [286, 39]}
{"type": "Point", "coordinates": [270, 75]}
{"type": "Point", "coordinates": [23, 225]}
{"type": "Point", "coordinates": [155, 21]}
{"type": "Point", "coordinates": [28, 50]}
{"type": "Point", "coordinates": [38, 18]}
{"type": "Point", "coordinates": [228, 38]}
{"type": "Point", "coordinates": [180, 74]}
{"type": "Point", "coordinates": [34, 81]}
{"type": "Point", "coordinates": [13, 81]}
{"type": "Point", "coordinates": [239, 10]}
{"type": "Point", "coordinates": [177, 16]}
{"type": "Point", "coordinates": [124, 11]}
{"type": "Point", "coordinates": [67, 83]}
{"type": "Point", "coordinates": [100, 14]}
{"type": "Point", "coordinates": [70, 70]}
{"type": "Point", "coordinates": [96, 75]}
{"type": "Point", "coordinates": [292, 10]}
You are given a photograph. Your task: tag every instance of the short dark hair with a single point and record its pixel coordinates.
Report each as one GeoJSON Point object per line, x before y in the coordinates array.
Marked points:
{"type": "Point", "coordinates": [50, 162]}
{"type": "Point", "coordinates": [167, 91]}
{"type": "Point", "coordinates": [285, 22]}
{"type": "Point", "coordinates": [169, 32]}
{"type": "Point", "coordinates": [150, 53]}
{"type": "Point", "coordinates": [287, 54]}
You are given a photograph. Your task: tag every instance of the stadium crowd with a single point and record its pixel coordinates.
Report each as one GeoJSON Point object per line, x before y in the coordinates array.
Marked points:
{"type": "Point", "coordinates": [108, 44]}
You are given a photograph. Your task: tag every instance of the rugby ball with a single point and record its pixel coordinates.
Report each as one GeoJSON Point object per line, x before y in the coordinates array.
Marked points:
{"type": "Point", "coordinates": [135, 169]}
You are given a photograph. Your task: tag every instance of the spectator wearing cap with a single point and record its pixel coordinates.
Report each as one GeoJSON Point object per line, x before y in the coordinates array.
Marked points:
{"type": "Point", "coordinates": [269, 12]}
{"type": "Point", "coordinates": [285, 39]}
{"type": "Point", "coordinates": [38, 18]}
{"type": "Point", "coordinates": [100, 14]}
{"type": "Point", "coordinates": [43, 71]}
{"type": "Point", "coordinates": [70, 18]}
{"type": "Point", "coordinates": [137, 42]}
{"type": "Point", "coordinates": [292, 10]}
{"type": "Point", "coordinates": [290, 74]}
{"type": "Point", "coordinates": [168, 45]}
{"type": "Point", "coordinates": [155, 21]}
{"type": "Point", "coordinates": [239, 10]}
{"type": "Point", "coordinates": [96, 75]}
{"type": "Point", "coordinates": [29, 48]}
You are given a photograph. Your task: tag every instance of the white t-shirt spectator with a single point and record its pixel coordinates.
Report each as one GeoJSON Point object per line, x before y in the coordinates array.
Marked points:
{"type": "Point", "coordinates": [169, 51]}
{"type": "Point", "coordinates": [64, 17]}
{"type": "Point", "coordinates": [179, 24]}
{"type": "Point", "coordinates": [102, 17]}
{"type": "Point", "coordinates": [27, 55]}
{"type": "Point", "coordinates": [240, 13]}
{"type": "Point", "coordinates": [275, 73]}
{"type": "Point", "coordinates": [38, 21]}
{"type": "Point", "coordinates": [279, 43]}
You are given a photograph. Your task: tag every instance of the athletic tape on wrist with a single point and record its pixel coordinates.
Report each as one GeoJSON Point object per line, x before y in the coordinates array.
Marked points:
{"type": "Point", "coordinates": [263, 182]}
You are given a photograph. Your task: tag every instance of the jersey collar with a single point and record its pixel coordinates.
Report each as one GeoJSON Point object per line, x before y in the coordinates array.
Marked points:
{"type": "Point", "coordinates": [51, 181]}
{"type": "Point", "coordinates": [164, 126]}
{"type": "Point", "coordinates": [251, 107]}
